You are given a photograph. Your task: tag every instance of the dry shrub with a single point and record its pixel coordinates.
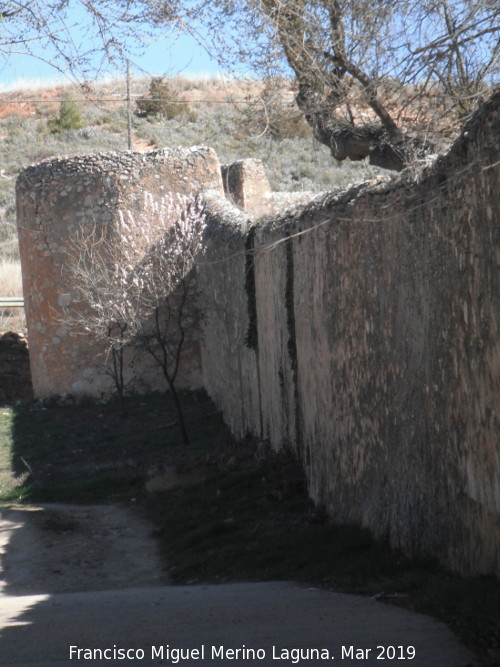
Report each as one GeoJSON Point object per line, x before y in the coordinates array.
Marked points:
{"type": "Point", "coordinates": [162, 101]}
{"type": "Point", "coordinates": [10, 278]}
{"type": "Point", "coordinates": [273, 112]}
{"type": "Point", "coordinates": [11, 319]}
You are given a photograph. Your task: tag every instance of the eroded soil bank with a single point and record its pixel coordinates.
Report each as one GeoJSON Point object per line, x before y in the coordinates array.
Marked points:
{"type": "Point", "coordinates": [15, 376]}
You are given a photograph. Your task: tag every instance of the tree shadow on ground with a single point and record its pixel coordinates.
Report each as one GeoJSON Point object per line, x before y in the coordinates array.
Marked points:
{"type": "Point", "coordinates": [222, 513]}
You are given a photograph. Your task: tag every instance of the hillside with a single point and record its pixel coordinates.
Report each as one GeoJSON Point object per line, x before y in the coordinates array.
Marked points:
{"type": "Point", "coordinates": [228, 115]}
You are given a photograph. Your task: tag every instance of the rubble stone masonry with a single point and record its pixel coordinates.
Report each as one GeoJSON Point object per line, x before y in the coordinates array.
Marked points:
{"type": "Point", "coordinates": [58, 198]}
{"type": "Point", "coordinates": [364, 334]}
{"type": "Point", "coordinates": [361, 331]}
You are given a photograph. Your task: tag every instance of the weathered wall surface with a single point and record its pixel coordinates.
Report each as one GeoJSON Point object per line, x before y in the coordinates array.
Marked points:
{"type": "Point", "coordinates": [246, 185]}
{"type": "Point", "coordinates": [226, 357]}
{"type": "Point", "coordinates": [361, 332]}
{"type": "Point", "coordinates": [55, 200]}
{"type": "Point", "coordinates": [369, 342]}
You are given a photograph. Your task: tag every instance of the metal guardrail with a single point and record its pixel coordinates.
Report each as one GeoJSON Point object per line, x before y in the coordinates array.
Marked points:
{"type": "Point", "coordinates": [11, 302]}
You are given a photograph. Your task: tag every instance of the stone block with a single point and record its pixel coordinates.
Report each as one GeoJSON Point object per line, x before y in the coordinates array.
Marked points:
{"type": "Point", "coordinates": [246, 185]}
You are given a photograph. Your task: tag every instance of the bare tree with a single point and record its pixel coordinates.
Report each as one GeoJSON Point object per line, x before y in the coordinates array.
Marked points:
{"type": "Point", "coordinates": [166, 278]}
{"type": "Point", "coordinates": [78, 38]}
{"type": "Point", "coordinates": [136, 286]}
{"type": "Point", "coordinates": [366, 71]}
{"type": "Point", "coordinates": [106, 296]}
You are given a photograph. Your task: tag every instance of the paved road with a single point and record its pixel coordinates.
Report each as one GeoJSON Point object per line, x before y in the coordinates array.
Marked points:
{"type": "Point", "coordinates": [287, 624]}
{"type": "Point", "coordinates": [89, 577]}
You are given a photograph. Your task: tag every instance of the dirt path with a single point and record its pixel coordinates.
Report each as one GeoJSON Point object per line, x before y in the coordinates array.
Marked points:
{"type": "Point", "coordinates": [56, 548]}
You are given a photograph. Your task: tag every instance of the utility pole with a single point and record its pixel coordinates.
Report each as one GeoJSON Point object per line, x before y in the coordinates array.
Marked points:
{"type": "Point", "coordinates": [129, 109]}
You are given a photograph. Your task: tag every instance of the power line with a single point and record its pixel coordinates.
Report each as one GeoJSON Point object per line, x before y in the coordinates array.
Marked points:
{"type": "Point", "coordinates": [133, 97]}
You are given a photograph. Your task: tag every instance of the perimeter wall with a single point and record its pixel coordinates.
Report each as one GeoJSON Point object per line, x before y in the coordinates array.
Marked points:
{"type": "Point", "coordinates": [363, 334]}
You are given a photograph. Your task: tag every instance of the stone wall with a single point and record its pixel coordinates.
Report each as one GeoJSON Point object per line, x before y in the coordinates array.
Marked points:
{"type": "Point", "coordinates": [246, 186]}
{"type": "Point", "coordinates": [363, 333]}
{"type": "Point", "coordinates": [56, 200]}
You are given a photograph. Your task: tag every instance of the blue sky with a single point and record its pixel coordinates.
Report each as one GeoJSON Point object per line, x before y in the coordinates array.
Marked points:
{"type": "Point", "coordinates": [169, 56]}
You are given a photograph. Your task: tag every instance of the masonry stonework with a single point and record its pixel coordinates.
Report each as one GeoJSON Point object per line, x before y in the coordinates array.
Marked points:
{"type": "Point", "coordinates": [55, 201]}
{"type": "Point", "coordinates": [361, 331]}
{"type": "Point", "coordinates": [368, 341]}
{"type": "Point", "coordinates": [246, 186]}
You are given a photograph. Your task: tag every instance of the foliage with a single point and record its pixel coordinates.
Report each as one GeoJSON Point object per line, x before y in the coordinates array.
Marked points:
{"type": "Point", "coordinates": [166, 281]}
{"type": "Point", "coordinates": [273, 112]}
{"type": "Point", "coordinates": [69, 117]}
{"type": "Point", "coordinates": [294, 163]}
{"type": "Point", "coordinates": [252, 335]}
{"type": "Point", "coordinates": [343, 54]}
{"type": "Point", "coordinates": [346, 55]}
{"type": "Point", "coordinates": [161, 101]}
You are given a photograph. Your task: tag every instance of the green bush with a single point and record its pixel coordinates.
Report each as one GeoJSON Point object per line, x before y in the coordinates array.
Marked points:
{"type": "Point", "coordinates": [69, 117]}
{"type": "Point", "coordinates": [160, 101]}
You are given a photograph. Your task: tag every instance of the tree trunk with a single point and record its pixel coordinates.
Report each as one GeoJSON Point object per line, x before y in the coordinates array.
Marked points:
{"type": "Point", "coordinates": [383, 147]}
{"type": "Point", "coordinates": [180, 412]}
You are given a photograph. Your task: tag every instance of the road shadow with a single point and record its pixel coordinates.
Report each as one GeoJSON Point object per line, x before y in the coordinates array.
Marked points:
{"type": "Point", "coordinates": [58, 548]}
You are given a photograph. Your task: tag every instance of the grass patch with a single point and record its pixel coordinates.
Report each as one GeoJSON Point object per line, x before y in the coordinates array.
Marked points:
{"type": "Point", "coordinates": [10, 278]}
{"type": "Point", "coordinates": [256, 523]}
{"type": "Point", "coordinates": [251, 525]}
{"type": "Point", "coordinates": [223, 515]}
{"type": "Point", "coordinates": [10, 285]}
{"type": "Point", "coordinates": [97, 453]}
